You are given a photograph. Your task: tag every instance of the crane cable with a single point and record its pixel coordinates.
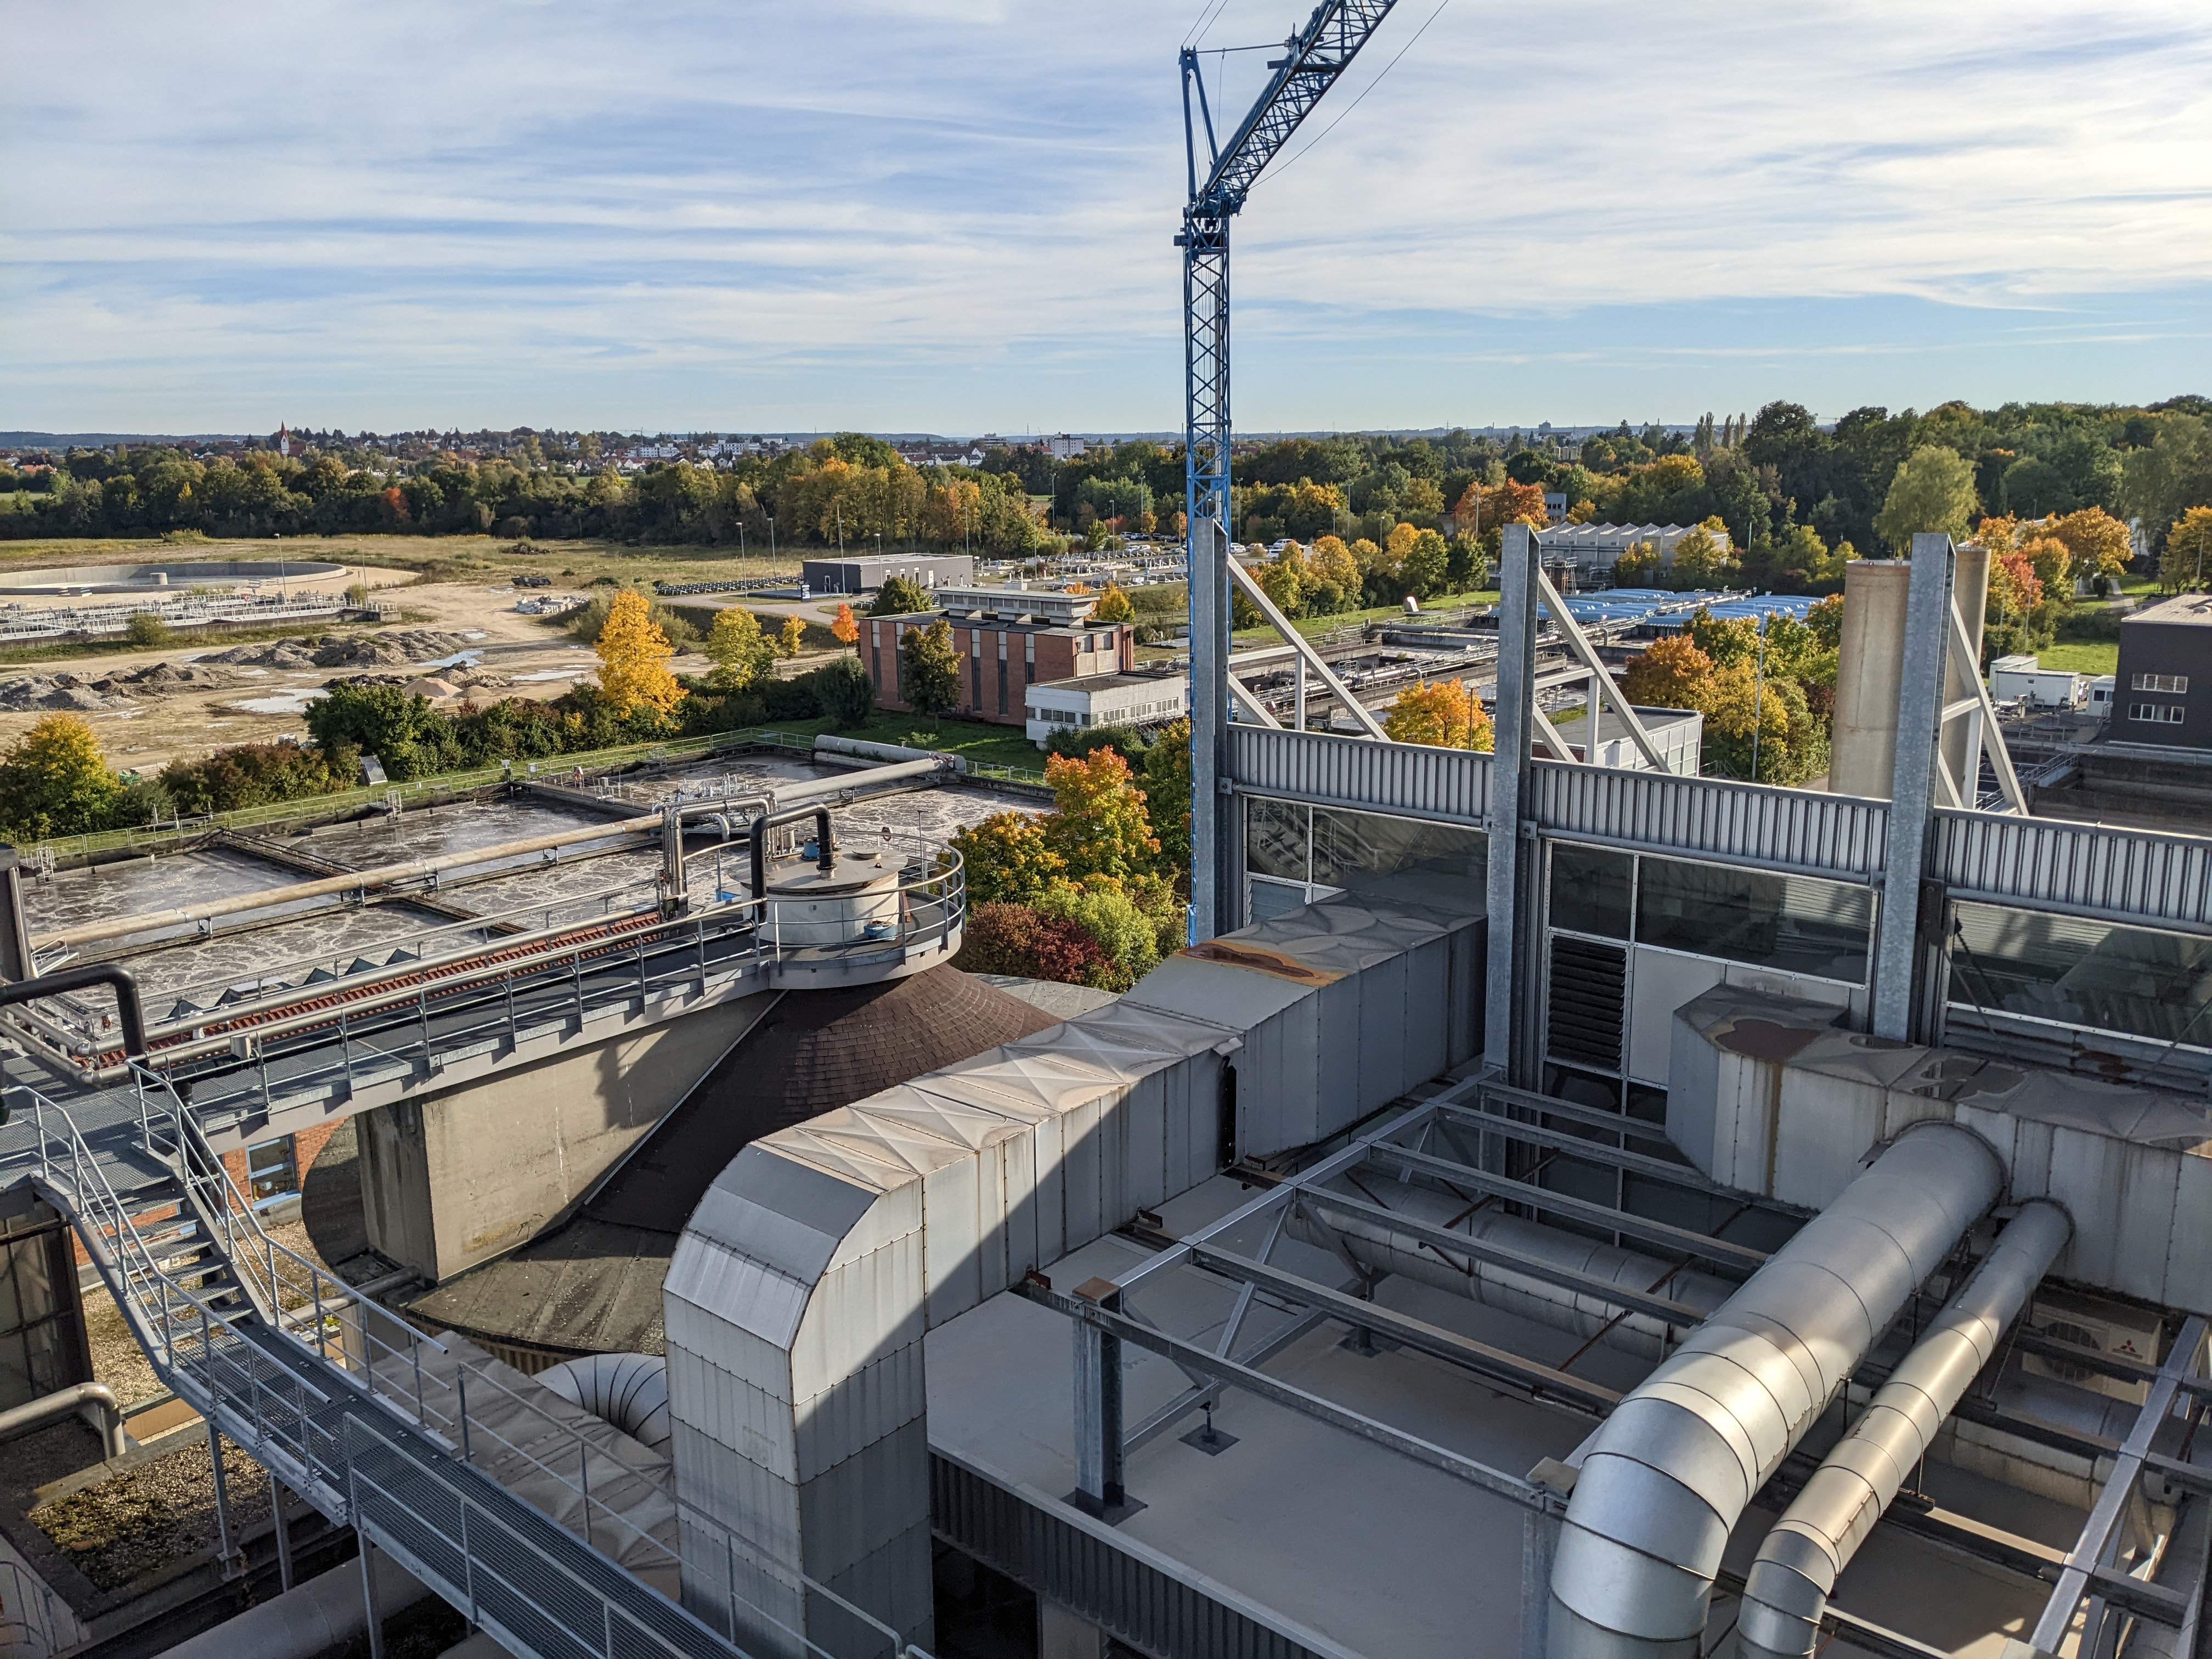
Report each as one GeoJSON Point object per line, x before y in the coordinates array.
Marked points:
{"type": "Point", "coordinates": [1364, 91]}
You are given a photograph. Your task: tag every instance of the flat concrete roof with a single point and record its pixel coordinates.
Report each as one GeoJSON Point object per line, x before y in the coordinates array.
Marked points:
{"type": "Point", "coordinates": [2182, 611]}
{"type": "Point", "coordinates": [1351, 1548]}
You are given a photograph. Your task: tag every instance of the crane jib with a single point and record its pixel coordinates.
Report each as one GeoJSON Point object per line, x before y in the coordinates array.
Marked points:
{"type": "Point", "coordinates": [1313, 58]}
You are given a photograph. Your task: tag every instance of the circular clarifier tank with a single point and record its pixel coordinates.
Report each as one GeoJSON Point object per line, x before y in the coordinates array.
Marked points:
{"type": "Point", "coordinates": [169, 576]}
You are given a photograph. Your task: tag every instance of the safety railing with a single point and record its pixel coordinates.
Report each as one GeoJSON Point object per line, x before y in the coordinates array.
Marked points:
{"type": "Point", "coordinates": [35, 1622]}
{"type": "Point", "coordinates": [375, 1350]}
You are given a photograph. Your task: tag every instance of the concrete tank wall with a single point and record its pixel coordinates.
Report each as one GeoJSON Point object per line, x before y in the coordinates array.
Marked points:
{"type": "Point", "coordinates": [1869, 676]}
{"type": "Point", "coordinates": [460, 1177]}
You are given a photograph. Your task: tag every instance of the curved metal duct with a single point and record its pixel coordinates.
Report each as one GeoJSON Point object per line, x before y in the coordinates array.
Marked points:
{"type": "Point", "coordinates": [629, 1391]}
{"type": "Point", "coordinates": [1667, 1477]}
{"type": "Point", "coordinates": [1809, 1547]}
{"type": "Point", "coordinates": [1377, 1246]}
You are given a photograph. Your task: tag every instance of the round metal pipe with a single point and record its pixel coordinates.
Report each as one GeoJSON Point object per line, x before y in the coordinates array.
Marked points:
{"type": "Point", "coordinates": [1787, 1594]}
{"type": "Point", "coordinates": [325, 1612]}
{"type": "Point", "coordinates": [1667, 1477]}
{"type": "Point", "coordinates": [94, 1401]}
{"type": "Point", "coordinates": [629, 1391]}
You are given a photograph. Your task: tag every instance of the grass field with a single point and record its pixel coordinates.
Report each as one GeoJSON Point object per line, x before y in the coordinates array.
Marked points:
{"type": "Point", "coordinates": [974, 741]}
{"type": "Point", "coordinates": [2082, 657]}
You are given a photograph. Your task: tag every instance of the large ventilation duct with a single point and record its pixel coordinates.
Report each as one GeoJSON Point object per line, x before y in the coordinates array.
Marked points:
{"type": "Point", "coordinates": [627, 1391]}
{"type": "Point", "coordinates": [1377, 1246]}
{"type": "Point", "coordinates": [1813, 1543]}
{"type": "Point", "coordinates": [1672, 1469]}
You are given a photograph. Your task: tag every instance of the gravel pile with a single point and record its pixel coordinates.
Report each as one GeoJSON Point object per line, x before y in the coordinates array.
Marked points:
{"type": "Point", "coordinates": [393, 650]}
{"type": "Point", "coordinates": [160, 679]}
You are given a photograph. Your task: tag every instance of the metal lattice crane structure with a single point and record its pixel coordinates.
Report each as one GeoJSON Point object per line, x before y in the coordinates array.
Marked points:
{"type": "Point", "coordinates": [1313, 59]}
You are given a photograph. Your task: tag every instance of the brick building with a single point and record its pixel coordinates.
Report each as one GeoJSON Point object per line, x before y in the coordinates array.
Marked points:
{"type": "Point", "coordinates": [1008, 639]}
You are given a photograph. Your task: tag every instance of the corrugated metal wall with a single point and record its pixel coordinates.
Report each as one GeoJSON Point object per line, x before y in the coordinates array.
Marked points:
{"type": "Point", "coordinates": [1128, 1598]}
{"type": "Point", "coordinates": [1452, 784]}
{"type": "Point", "coordinates": [1836, 836]}
{"type": "Point", "coordinates": [2090, 869]}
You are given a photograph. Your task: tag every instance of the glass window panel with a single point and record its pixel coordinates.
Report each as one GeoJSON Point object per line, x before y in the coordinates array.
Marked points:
{"type": "Point", "coordinates": [1795, 923]}
{"type": "Point", "coordinates": [271, 1168]}
{"type": "Point", "coordinates": [2069, 968]}
{"type": "Point", "coordinates": [1402, 859]}
{"type": "Point", "coordinates": [1275, 838]}
{"type": "Point", "coordinates": [1590, 890]}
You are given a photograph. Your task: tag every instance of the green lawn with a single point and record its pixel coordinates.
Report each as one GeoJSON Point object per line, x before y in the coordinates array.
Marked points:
{"type": "Point", "coordinates": [974, 741]}
{"type": "Point", "coordinates": [2083, 657]}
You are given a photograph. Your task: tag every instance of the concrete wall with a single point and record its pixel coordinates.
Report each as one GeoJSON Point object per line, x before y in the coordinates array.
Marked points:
{"type": "Point", "coordinates": [458, 1178]}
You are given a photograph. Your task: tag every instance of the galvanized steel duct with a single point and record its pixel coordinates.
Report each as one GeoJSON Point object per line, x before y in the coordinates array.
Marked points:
{"type": "Point", "coordinates": [1378, 1248]}
{"type": "Point", "coordinates": [627, 1391]}
{"type": "Point", "coordinates": [1813, 1543]}
{"type": "Point", "coordinates": [1667, 1477]}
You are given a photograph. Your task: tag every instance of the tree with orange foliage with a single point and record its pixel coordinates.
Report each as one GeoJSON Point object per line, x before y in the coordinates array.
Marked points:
{"type": "Point", "coordinates": [1485, 507]}
{"type": "Point", "coordinates": [1672, 673]}
{"type": "Point", "coordinates": [2097, 541]}
{"type": "Point", "coordinates": [845, 626]}
{"type": "Point", "coordinates": [1441, 715]}
{"type": "Point", "coordinates": [1098, 826]}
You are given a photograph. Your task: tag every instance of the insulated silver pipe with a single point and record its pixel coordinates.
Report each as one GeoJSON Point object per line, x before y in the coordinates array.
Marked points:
{"type": "Point", "coordinates": [1377, 1246]}
{"type": "Point", "coordinates": [1666, 1478]}
{"type": "Point", "coordinates": [94, 1401]}
{"type": "Point", "coordinates": [1808, 1549]}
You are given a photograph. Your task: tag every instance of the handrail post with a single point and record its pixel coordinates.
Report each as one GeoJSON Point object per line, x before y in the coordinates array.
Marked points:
{"type": "Point", "coordinates": [461, 1379]}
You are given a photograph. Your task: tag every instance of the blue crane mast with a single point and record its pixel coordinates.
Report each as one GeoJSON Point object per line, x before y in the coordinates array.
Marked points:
{"type": "Point", "coordinates": [1314, 57]}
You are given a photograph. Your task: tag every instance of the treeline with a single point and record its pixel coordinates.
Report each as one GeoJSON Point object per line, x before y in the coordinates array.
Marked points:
{"type": "Point", "coordinates": [55, 780]}
{"type": "Point", "coordinates": [852, 488]}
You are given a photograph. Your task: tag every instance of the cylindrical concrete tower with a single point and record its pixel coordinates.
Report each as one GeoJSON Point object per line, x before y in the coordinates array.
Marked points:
{"type": "Point", "coordinates": [1869, 676]}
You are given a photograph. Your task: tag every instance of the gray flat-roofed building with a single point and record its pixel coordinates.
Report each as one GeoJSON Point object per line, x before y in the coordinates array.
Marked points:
{"type": "Point", "coordinates": [865, 576]}
{"type": "Point", "coordinates": [1599, 545]}
{"type": "Point", "coordinates": [2163, 693]}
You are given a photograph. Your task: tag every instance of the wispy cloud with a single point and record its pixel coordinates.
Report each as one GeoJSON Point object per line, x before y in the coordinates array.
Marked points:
{"type": "Point", "coordinates": [958, 215]}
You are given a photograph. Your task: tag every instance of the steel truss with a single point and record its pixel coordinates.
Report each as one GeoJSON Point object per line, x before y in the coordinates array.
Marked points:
{"type": "Point", "coordinates": [1457, 1141]}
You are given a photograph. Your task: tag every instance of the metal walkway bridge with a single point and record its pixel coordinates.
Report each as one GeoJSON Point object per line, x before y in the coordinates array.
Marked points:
{"type": "Point", "coordinates": [423, 1446]}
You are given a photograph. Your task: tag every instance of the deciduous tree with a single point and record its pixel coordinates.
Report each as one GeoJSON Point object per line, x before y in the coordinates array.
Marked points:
{"type": "Point", "coordinates": [634, 654]}
{"type": "Point", "coordinates": [1113, 606]}
{"type": "Point", "coordinates": [1008, 859]}
{"type": "Point", "coordinates": [1933, 490]}
{"type": "Point", "coordinates": [2097, 541]}
{"type": "Point", "coordinates": [845, 627]}
{"type": "Point", "coordinates": [55, 782]}
{"type": "Point", "coordinates": [899, 597]}
{"type": "Point", "coordinates": [1671, 673]}
{"type": "Point", "coordinates": [2187, 563]}
{"type": "Point", "coordinates": [1442, 714]}
{"type": "Point", "coordinates": [1098, 824]}
{"type": "Point", "coordinates": [929, 669]}
{"type": "Point", "coordinates": [791, 636]}
{"type": "Point", "coordinates": [741, 653]}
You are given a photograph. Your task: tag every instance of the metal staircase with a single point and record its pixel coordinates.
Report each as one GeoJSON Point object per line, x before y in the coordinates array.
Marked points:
{"type": "Point", "coordinates": [377, 1424]}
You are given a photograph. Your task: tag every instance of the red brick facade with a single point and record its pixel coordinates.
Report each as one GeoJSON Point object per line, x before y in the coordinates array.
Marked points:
{"type": "Point", "coordinates": [999, 660]}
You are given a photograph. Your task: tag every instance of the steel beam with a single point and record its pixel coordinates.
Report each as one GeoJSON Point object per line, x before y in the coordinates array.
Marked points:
{"type": "Point", "coordinates": [1928, 614]}
{"type": "Point", "coordinates": [1578, 643]}
{"type": "Point", "coordinates": [1242, 578]}
{"type": "Point", "coordinates": [2089, 1549]}
{"type": "Point", "coordinates": [1509, 778]}
{"type": "Point", "coordinates": [1698, 1246]}
{"type": "Point", "coordinates": [1494, 1365]}
{"type": "Point", "coordinates": [1678, 1175]}
{"type": "Point", "coordinates": [1193, 1356]}
{"type": "Point", "coordinates": [1662, 1308]}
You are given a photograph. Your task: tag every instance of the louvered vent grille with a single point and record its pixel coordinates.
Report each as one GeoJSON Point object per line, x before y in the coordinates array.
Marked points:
{"type": "Point", "coordinates": [1589, 984]}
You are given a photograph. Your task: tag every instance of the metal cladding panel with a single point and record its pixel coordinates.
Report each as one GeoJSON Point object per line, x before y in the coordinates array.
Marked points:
{"type": "Point", "coordinates": [1116, 1584]}
{"type": "Point", "coordinates": [1011, 1154]}
{"type": "Point", "coordinates": [1838, 836]}
{"type": "Point", "coordinates": [1452, 784]}
{"type": "Point", "coordinates": [1235, 999]}
{"type": "Point", "coordinates": [2079, 866]}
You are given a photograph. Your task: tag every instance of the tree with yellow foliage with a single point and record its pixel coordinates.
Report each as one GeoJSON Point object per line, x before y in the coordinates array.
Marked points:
{"type": "Point", "coordinates": [2097, 541]}
{"type": "Point", "coordinates": [741, 655]}
{"type": "Point", "coordinates": [55, 782]}
{"type": "Point", "coordinates": [791, 636]}
{"type": "Point", "coordinates": [1441, 715]}
{"type": "Point", "coordinates": [845, 627]}
{"type": "Point", "coordinates": [1482, 508]}
{"type": "Point", "coordinates": [1114, 606]}
{"type": "Point", "coordinates": [634, 654]}
{"type": "Point", "coordinates": [2188, 557]}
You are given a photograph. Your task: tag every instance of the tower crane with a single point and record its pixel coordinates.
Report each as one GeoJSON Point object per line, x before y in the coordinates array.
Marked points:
{"type": "Point", "coordinates": [1312, 60]}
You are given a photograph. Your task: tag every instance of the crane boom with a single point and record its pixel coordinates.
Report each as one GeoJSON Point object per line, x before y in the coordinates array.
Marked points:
{"type": "Point", "coordinates": [1313, 59]}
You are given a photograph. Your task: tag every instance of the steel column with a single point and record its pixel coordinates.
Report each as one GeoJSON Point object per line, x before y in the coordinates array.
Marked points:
{"type": "Point", "coordinates": [1099, 1448]}
{"type": "Point", "coordinates": [1927, 631]}
{"type": "Point", "coordinates": [1509, 776]}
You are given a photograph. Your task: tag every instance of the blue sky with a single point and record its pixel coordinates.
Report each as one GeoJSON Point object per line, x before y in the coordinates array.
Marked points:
{"type": "Point", "coordinates": [956, 216]}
